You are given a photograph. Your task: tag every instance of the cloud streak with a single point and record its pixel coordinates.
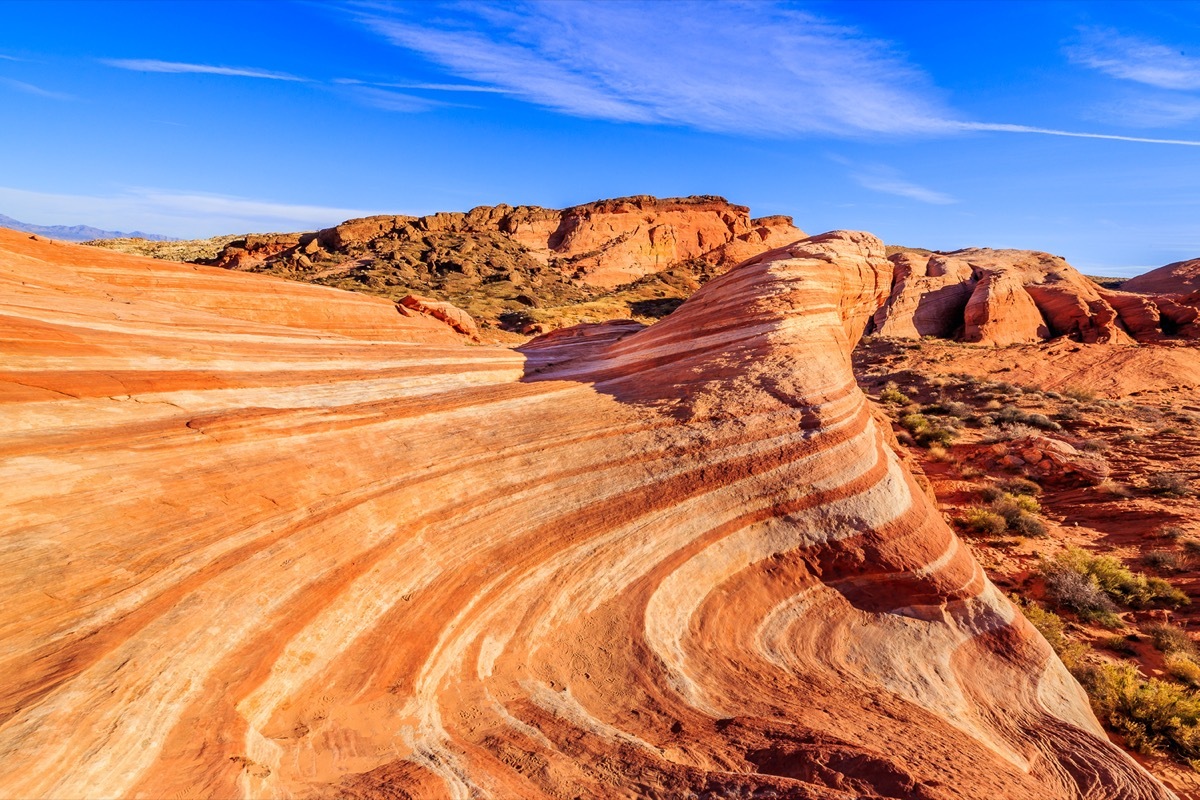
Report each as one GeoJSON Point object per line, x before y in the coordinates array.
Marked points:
{"type": "Point", "coordinates": [177, 67]}
{"type": "Point", "coordinates": [888, 182]}
{"type": "Point", "coordinates": [1135, 59]}
{"type": "Point", "coordinates": [29, 88]}
{"type": "Point", "coordinates": [777, 73]}
{"type": "Point", "coordinates": [1007, 128]}
{"type": "Point", "coordinates": [433, 87]}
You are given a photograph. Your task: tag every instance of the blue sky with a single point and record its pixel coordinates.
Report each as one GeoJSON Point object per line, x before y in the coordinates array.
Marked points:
{"type": "Point", "coordinates": [931, 124]}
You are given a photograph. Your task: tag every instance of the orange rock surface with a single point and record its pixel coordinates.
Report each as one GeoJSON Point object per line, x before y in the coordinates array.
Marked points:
{"type": "Point", "coordinates": [1182, 277]}
{"type": "Point", "coordinates": [264, 539]}
{"type": "Point", "coordinates": [605, 243]}
{"type": "Point", "coordinates": [1004, 297]}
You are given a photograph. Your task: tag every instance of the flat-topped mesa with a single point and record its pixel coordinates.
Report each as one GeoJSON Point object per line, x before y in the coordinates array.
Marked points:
{"type": "Point", "coordinates": [603, 244]}
{"type": "Point", "coordinates": [269, 554]}
{"type": "Point", "coordinates": [1003, 297]}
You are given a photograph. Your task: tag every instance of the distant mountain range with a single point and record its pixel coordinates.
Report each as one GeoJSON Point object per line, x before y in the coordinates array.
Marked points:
{"type": "Point", "coordinates": [78, 233]}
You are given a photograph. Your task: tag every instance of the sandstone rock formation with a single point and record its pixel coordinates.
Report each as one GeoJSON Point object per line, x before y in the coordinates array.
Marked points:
{"type": "Point", "coordinates": [1181, 277]}
{"type": "Point", "coordinates": [265, 539]}
{"type": "Point", "coordinates": [1004, 297]}
{"type": "Point", "coordinates": [497, 261]}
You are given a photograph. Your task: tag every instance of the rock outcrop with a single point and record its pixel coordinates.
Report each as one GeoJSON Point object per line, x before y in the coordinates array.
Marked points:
{"type": "Point", "coordinates": [1181, 277]}
{"type": "Point", "coordinates": [497, 261]}
{"type": "Point", "coordinates": [1004, 297]}
{"type": "Point", "coordinates": [265, 539]}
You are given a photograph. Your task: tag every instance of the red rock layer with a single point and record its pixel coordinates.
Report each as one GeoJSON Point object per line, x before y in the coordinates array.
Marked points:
{"type": "Point", "coordinates": [255, 548]}
{"type": "Point", "coordinates": [605, 243]}
{"type": "Point", "coordinates": [1182, 277]}
{"type": "Point", "coordinates": [1004, 297]}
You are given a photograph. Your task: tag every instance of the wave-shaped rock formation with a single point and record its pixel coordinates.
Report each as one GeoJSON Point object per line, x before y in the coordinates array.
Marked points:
{"type": "Point", "coordinates": [1004, 297]}
{"type": "Point", "coordinates": [264, 539]}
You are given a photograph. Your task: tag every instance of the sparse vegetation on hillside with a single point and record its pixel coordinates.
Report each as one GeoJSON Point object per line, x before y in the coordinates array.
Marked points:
{"type": "Point", "coordinates": [196, 250]}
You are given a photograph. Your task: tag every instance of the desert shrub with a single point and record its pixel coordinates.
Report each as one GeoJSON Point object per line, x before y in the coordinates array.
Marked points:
{"type": "Point", "coordinates": [1012, 414]}
{"type": "Point", "coordinates": [1131, 438]}
{"type": "Point", "coordinates": [1170, 531]}
{"type": "Point", "coordinates": [1008, 432]}
{"type": "Point", "coordinates": [1171, 639]}
{"type": "Point", "coordinates": [1171, 484]}
{"type": "Point", "coordinates": [1053, 395]}
{"type": "Point", "coordinates": [1168, 431]}
{"type": "Point", "coordinates": [1078, 593]}
{"type": "Point", "coordinates": [1020, 513]}
{"type": "Point", "coordinates": [1118, 582]}
{"type": "Point", "coordinates": [1163, 560]}
{"type": "Point", "coordinates": [1191, 547]}
{"type": "Point", "coordinates": [1183, 668]}
{"type": "Point", "coordinates": [948, 408]}
{"type": "Point", "coordinates": [1147, 413]}
{"type": "Point", "coordinates": [1022, 486]}
{"type": "Point", "coordinates": [983, 521]}
{"type": "Point", "coordinates": [1051, 626]}
{"type": "Point", "coordinates": [939, 453]}
{"type": "Point", "coordinates": [1069, 414]}
{"type": "Point", "coordinates": [925, 431]}
{"type": "Point", "coordinates": [1153, 715]}
{"type": "Point", "coordinates": [1118, 644]}
{"type": "Point", "coordinates": [1078, 393]}
{"type": "Point", "coordinates": [892, 396]}
{"type": "Point", "coordinates": [1114, 488]}
{"type": "Point", "coordinates": [1093, 445]}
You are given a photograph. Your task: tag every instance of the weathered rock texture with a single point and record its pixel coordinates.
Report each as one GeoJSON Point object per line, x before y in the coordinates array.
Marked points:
{"type": "Point", "coordinates": [269, 540]}
{"type": "Point", "coordinates": [504, 260]}
{"type": "Point", "coordinates": [1004, 297]}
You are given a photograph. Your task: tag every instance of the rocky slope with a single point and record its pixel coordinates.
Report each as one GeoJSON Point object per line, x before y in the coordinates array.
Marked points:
{"type": "Point", "coordinates": [268, 539]}
{"type": "Point", "coordinates": [522, 268]}
{"type": "Point", "coordinates": [1182, 277]}
{"type": "Point", "coordinates": [1003, 297]}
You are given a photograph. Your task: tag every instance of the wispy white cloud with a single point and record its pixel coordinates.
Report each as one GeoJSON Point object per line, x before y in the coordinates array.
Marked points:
{"type": "Point", "coordinates": [9, 58]}
{"type": "Point", "coordinates": [888, 181]}
{"type": "Point", "coordinates": [775, 71]}
{"type": "Point", "coordinates": [434, 87]}
{"type": "Point", "coordinates": [29, 88]}
{"type": "Point", "coordinates": [388, 100]}
{"type": "Point", "coordinates": [1136, 59]}
{"type": "Point", "coordinates": [177, 67]}
{"type": "Point", "coordinates": [173, 213]}
{"type": "Point", "coordinates": [1006, 128]}
{"type": "Point", "coordinates": [761, 69]}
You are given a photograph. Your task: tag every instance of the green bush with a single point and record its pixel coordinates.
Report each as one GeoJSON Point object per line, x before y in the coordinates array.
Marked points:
{"type": "Point", "coordinates": [983, 521]}
{"type": "Point", "coordinates": [1014, 415]}
{"type": "Point", "coordinates": [925, 431]}
{"type": "Point", "coordinates": [1183, 667]}
{"type": "Point", "coordinates": [892, 396]}
{"type": "Point", "coordinates": [1118, 582]}
{"type": "Point", "coordinates": [1072, 591]}
{"type": "Point", "coordinates": [1171, 639]}
{"type": "Point", "coordinates": [1020, 486]}
{"type": "Point", "coordinates": [1154, 716]}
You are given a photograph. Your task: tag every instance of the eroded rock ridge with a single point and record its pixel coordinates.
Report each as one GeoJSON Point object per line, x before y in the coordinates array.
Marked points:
{"type": "Point", "coordinates": [266, 539]}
